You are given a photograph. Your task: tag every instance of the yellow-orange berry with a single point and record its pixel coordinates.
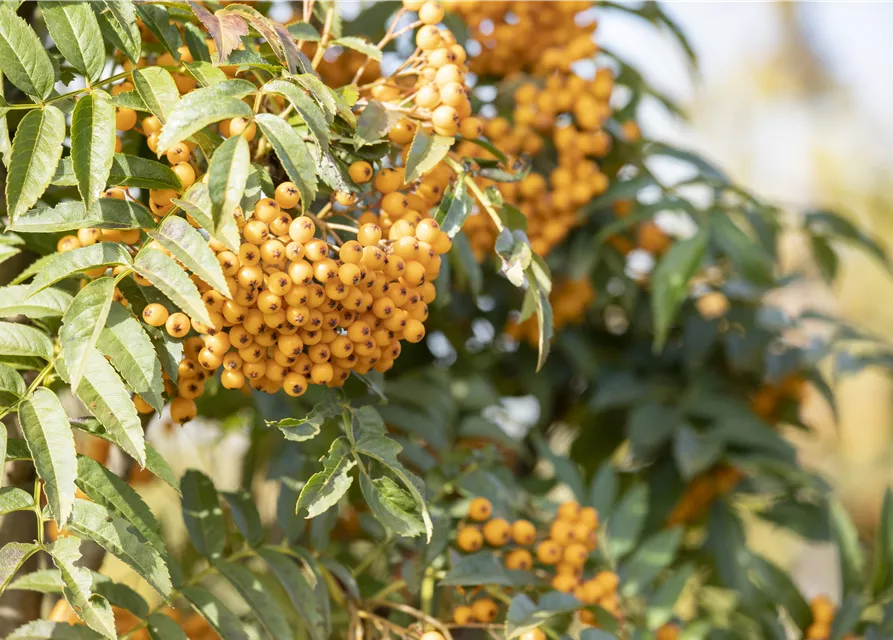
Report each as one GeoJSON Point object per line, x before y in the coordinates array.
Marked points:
{"type": "Point", "coordinates": [480, 509]}
{"type": "Point", "coordinates": [469, 539]}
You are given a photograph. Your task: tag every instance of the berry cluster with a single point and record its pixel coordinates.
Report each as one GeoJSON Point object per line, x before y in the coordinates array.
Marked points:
{"type": "Point", "coordinates": [702, 491]}
{"type": "Point", "coordinates": [562, 556]}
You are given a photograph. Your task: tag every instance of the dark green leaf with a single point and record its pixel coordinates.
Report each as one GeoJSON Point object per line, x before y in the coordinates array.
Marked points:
{"type": "Point", "coordinates": [211, 608]}
{"type": "Point", "coordinates": [117, 20]}
{"type": "Point", "coordinates": [202, 514]}
{"type": "Point", "coordinates": [227, 178]}
{"type": "Point", "coordinates": [36, 150]}
{"type": "Point", "coordinates": [162, 627]}
{"type": "Point", "coordinates": [75, 30]}
{"type": "Point", "coordinates": [205, 73]}
{"type": "Point", "coordinates": [14, 499]}
{"type": "Point", "coordinates": [830, 226]}
{"type": "Point", "coordinates": [455, 208]}
{"type": "Point", "coordinates": [694, 452]}
{"type": "Point", "coordinates": [394, 507]}
{"type": "Point", "coordinates": [195, 41]}
{"type": "Point", "coordinates": [63, 265]}
{"type": "Point", "coordinates": [482, 568]}
{"type": "Point", "coordinates": [156, 18]}
{"type": "Point", "coordinates": [192, 250]}
{"type": "Point", "coordinates": [882, 575]}
{"type": "Point", "coordinates": [12, 387]}
{"type": "Point", "coordinates": [49, 303]}
{"type": "Point", "coordinates": [326, 487]}
{"type": "Point", "coordinates": [12, 556]}
{"type": "Point", "coordinates": [309, 110]}
{"type": "Point", "coordinates": [108, 213]}
{"type": "Point", "coordinates": [95, 611]}
{"type": "Point", "coordinates": [173, 282]}
{"type": "Point", "coordinates": [246, 517]}
{"type": "Point", "coordinates": [134, 171]}
{"type": "Point", "coordinates": [663, 601]}
{"type": "Point", "coordinates": [748, 255]}
{"type": "Point", "coordinates": [849, 550]}
{"type": "Point", "coordinates": [49, 630]}
{"type": "Point", "coordinates": [299, 590]}
{"type": "Point", "coordinates": [262, 605]}
{"type": "Point", "coordinates": [293, 154]}
{"type": "Point", "coordinates": [48, 434]}
{"type": "Point", "coordinates": [670, 282]}
{"type": "Point", "coordinates": [626, 521]}
{"type": "Point", "coordinates": [847, 616]}
{"type": "Point", "coordinates": [205, 106]}
{"type": "Point", "coordinates": [358, 44]}
{"type": "Point", "coordinates": [648, 560]}
{"type": "Point", "coordinates": [375, 121]}
{"type": "Point", "coordinates": [780, 590]}
{"type": "Point", "coordinates": [603, 490]}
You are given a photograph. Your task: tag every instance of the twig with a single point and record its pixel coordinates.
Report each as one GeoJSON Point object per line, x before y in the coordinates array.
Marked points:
{"type": "Point", "coordinates": [326, 32]}
{"type": "Point", "coordinates": [405, 608]}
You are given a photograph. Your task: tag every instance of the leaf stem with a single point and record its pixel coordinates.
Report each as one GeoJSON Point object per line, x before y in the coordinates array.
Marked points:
{"type": "Point", "coordinates": [478, 193]}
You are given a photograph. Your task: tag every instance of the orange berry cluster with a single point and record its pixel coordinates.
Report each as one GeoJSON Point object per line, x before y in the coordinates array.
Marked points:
{"type": "Point", "coordinates": [526, 36]}
{"type": "Point", "coordinates": [303, 311]}
{"type": "Point", "coordinates": [570, 300]}
{"type": "Point", "coordinates": [702, 491]}
{"type": "Point", "coordinates": [562, 554]}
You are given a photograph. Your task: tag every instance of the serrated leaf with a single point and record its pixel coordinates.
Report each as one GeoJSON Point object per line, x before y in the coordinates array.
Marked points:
{"type": "Point", "coordinates": [16, 449]}
{"type": "Point", "coordinates": [48, 435]}
{"type": "Point", "coordinates": [130, 100]}
{"type": "Point", "coordinates": [120, 595]}
{"type": "Point", "coordinates": [202, 514]}
{"type": "Point", "coordinates": [475, 569]}
{"type": "Point", "coordinates": [161, 627]}
{"type": "Point", "coordinates": [627, 520]}
{"type": "Point", "coordinates": [425, 154]}
{"type": "Point", "coordinates": [75, 30]}
{"type": "Point", "coordinates": [96, 612]}
{"type": "Point", "coordinates": [205, 73]}
{"type": "Point", "coordinates": [245, 515]}
{"type": "Point", "coordinates": [134, 171]}
{"type": "Point", "coordinates": [455, 208]}
{"type": "Point", "coordinates": [23, 58]}
{"type": "Point", "coordinates": [5, 142]}
{"type": "Point", "coordinates": [107, 399]}
{"type": "Point", "coordinates": [158, 90]}
{"type": "Point", "coordinates": [157, 19]}
{"type": "Point", "coordinates": [227, 625]}
{"type": "Point", "coordinates": [107, 213]}
{"type": "Point", "coordinates": [375, 121]}
{"type": "Point", "coordinates": [14, 499]}
{"type": "Point", "coordinates": [126, 344]}
{"type": "Point", "coordinates": [325, 488]}
{"type": "Point", "coordinates": [42, 581]}
{"type": "Point", "coordinates": [255, 594]}
{"type": "Point", "coordinates": [12, 556]}
{"type": "Point", "coordinates": [173, 282]}
{"type": "Point", "coordinates": [17, 300]}
{"type": "Point", "coordinates": [298, 588]}
{"type": "Point", "coordinates": [117, 21]}
{"type": "Point", "coordinates": [202, 107]}
{"type": "Point", "coordinates": [225, 28]}
{"type": "Point", "coordinates": [309, 110]}
{"type": "Point", "coordinates": [293, 154]}
{"type": "Point", "coordinates": [12, 387]}
{"type": "Point", "coordinates": [394, 507]}
{"type": "Point", "coordinates": [107, 489]}
{"type": "Point", "coordinates": [63, 265]}
{"type": "Point", "coordinates": [82, 324]}
{"type": "Point", "coordinates": [113, 534]}
{"type": "Point", "coordinates": [327, 98]}
{"type": "Point", "coordinates": [49, 630]}
{"type": "Point", "coordinates": [227, 177]}
{"type": "Point", "coordinates": [358, 44]}
{"type": "Point", "coordinates": [304, 31]}
{"type": "Point", "coordinates": [197, 203]}
{"type": "Point", "coordinates": [20, 340]}
{"type": "Point", "coordinates": [36, 150]}
{"type": "Point", "coordinates": [524, 615]}
{"type": "Point", "coordinates": [670, 282]}
{"type": "Point", "coordinates": [189, 247]}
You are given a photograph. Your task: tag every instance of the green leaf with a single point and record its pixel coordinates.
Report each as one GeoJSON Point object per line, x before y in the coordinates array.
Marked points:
{"type": "Point", "coordinates": [626, 521]}
{"type": "Point", "coordinates": [189, 247]}
{"type": "Point", "coordinates": [14, 499]}
{"type": "Point", "coordinates": [12, 387]}
{"type": "Point", "coordinates": [255, 594]}
{"type": "Point", "coordinates": [394, 507]}
{"type": "Point", "coordinates": [42, 581]}
{"type": "Point", "coordinates": [197, 203]}
{"type": "Point", "coordinates": [205, 73]}
{"type": "Point", "coordinates": [162, 627]}
{"type": "Point", "coordinates": [63, 265]}
{"type": "Point", "coordinates": [649, 559]}
{"type": "Point", "coordinates": [747, 254]}
{"type": "Point", "coordinates": [130, 100]}
{"type": "Point", "coordinates": [882, 574]}
{"type": "Point", "coordinates": [173, 282]}
{"type": "Point", "coordinates": [375, 121]}
{"type": "Point", "coordinates": [847, 616]}
{"type": "Point", "coordinates": [603, 490]}
{"type": "Point", "coordinates": [112, 492]}
{"type": "Point", "coordinates": [108, 213]}
{"type": "Point", "coordinates": [664, 599]}
{"type": "Point", "coordinates": [159, 91]}
{"type": "Point", "coordinates": [83, 322]}
{"type": "Point", "coordinates": [48, 435]}
{"type": "Point", "coordinates": [325, 488]}
{"type": "Point", "coordinates": [304, 31]}
{"type": "Point", "coordinates": [156, 18]}
{"type": "Point", "coordinates": [475, 569]}
{"type": "Point", "coordinates": [850, 556]}
{"type": "Point", "coordinates": [300, 429]}
{"type": "Point", "coordinates": [670, 282]}
{"type": "Point", "coordinates": [293, 154]}
{"type": "Point", "coordinates": [75, 30]}
{"type": "Point", "coordinates": [195, 41]}
{"type": "Point", "coordinates": [21, 340]}
{"type": "Point", "coordinates": [95, 611]}
{"type": "Point", "coordinates": [524, 615]}
{"type": "Point", "coordinates": [113, 534]}
{"type": "Point", "coordinates": [543, 317]}
{"type": "Point", "coordinates": [12, 556]}
{"type": "Point", "coordinates": [327, 99]}
{"type": "Point", "coordinates": [202, 514]}
{"type": "Point", "coordinates": [694, 452]}
{"type": "Point", "coordinates": [107, 399]}
{"type": "Point", "coordinates": [49, 630]}
{"type": "Point", "coordinates": [455, 208]}
{"type": "Point", "coordinates": [202, 107]}
{"type": "Point", "coordinates": [5, 142]}
{"type": "Point", "coordinates": [16, 449]}
{"type": "Point", "coordinates": [211, 608]}
{"type": "Point", "coordinates": [117, 20]}
{"type": "Point", "coordinates": [566, 470]}
{"type": "Point", "coordinates": [305, 106]}
{"type": "Point", "coordinates": [358, 44]}
{"type": "Point", "coordinates": [591, 633]}
{"type": "Point", "coordinates": [132, 353]}
{"type": "Point", "coordinates": [779, 590]}
{"type": "Point", "coordinates": [425, 153]}
{"type": "Point", "coordinates": [23, 58]}
{"type": "Point", "coordinates": [49, 303]}
{"type": "Point", "coordinates": [245, 515]}
{"type": "Point", "coordinates": [36, 150]}
{"type": "Point", "coordinates": [829, 226]}
{"type": "Point", "coordinates": [227, 177]}
{"type": "Point", "coordinates": [298, 588]}
{"type": "Point", "coordinates": [134, 171]}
